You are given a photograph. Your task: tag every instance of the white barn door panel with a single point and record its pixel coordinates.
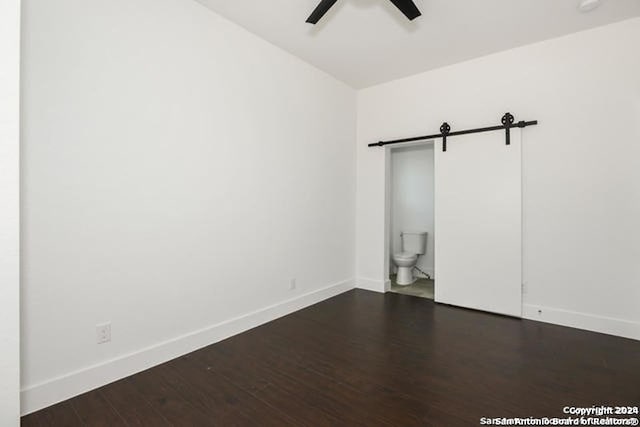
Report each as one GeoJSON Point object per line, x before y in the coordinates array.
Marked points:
{"type": "Point", "coordinates": [478, 222]}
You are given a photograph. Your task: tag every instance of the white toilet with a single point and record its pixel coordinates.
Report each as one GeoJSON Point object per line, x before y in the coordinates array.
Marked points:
{"type": "Point", "coordinates": [413, 245]}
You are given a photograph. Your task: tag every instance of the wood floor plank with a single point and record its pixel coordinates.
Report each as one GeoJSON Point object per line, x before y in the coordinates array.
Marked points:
{"type": "Point", "coordinates": [368, 402]}
{"type": "Point", "coordinates": [329, 395]}
{"type": "Point", "coordinates": [159, 386]}
{"type": "Point", "coordinates": [61, 414]}
{"type": "Point", "coordinates": [132, 405]}
{"type": "Point", "coordinates": [363, 358]}
{"type": "Point", "coordinates": [500, 346]}
{"type": "Point", "coordinates": [224, 400]}
{"type": "Point", "coordinates": [37, 419]}
{"type": "Point", "coordinates": [378, 381]}
{"type": "Point", "coordinates": [94, 410]}
{"type": "Point", "coordinates": [270, 387]}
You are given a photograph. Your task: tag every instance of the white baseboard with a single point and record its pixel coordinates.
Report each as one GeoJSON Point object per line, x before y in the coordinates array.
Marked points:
{"type": "Point", "coordinates": [589, 322]}
{"type": "Point", "coordinates": [373, 285]}
{"type": "Point", "coordinates": [47, 393]}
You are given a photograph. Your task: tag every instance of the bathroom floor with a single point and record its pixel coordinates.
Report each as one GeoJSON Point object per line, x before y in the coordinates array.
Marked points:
{"type": "Point", "coordinates": [422, 288]}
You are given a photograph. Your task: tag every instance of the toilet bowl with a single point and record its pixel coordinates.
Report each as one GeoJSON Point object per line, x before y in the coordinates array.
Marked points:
{"type": "Point", "coordinates": [413, 245]}
{"type": "Point", "coordinates": [405, 261]}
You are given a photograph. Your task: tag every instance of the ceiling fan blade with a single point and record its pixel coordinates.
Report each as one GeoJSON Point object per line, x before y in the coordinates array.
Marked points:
{"type": "Point", "coordinates": [408, 7]}
{"type": "Point", "coordinates": [320, 10]}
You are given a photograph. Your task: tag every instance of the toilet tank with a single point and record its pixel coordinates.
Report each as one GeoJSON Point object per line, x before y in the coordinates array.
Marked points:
{"type": "Point", "coordinates": [415, 242]}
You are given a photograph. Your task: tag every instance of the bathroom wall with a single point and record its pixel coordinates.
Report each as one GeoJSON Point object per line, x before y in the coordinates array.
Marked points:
{"type": "Point", "coordinates": [581, 182]}
{"type": "Point", "coordinates": [412, 198]}
{"type": "Point", "coordinates": [179, 172]}
{"type": "Point", "coordinates": [9, 213]}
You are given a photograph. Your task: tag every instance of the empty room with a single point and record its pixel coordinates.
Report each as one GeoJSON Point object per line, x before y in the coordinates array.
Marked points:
{"type": "Point", "coordinates": [319, 212]}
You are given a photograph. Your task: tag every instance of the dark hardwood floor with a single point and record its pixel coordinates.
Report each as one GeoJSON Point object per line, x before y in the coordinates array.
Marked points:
{"type": "Point", "coordinates": [367, 359]}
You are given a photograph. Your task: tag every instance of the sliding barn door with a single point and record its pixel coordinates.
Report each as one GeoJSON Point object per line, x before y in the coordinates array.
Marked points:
{"type": "Point", "coordinates": [478, 222]}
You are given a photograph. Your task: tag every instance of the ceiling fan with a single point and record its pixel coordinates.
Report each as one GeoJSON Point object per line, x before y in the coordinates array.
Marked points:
{"type": "Point", "coordinates": [408, 7]}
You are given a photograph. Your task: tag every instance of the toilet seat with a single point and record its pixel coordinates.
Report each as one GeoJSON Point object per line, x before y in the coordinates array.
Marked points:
{"type": "Point", "coordinates": [405, 256]}
{"type": "Point", "coordinates": [405, 261]}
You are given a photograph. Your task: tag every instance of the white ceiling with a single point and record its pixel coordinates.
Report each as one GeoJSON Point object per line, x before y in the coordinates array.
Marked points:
{"type": "Point", "coordinates": [366, 42]}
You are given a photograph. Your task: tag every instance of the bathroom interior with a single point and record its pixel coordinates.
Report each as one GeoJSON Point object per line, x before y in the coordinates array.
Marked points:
{"type": "Point", "coordinates": [412, 220]}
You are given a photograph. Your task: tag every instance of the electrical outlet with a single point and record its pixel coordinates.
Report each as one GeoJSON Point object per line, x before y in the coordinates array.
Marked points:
{"type": "Point", "coordinates": [103, 333]}
{"type": "Point", "coordinates": [525, 288]}
{"type": "Point", "coordinates": [292, 284]}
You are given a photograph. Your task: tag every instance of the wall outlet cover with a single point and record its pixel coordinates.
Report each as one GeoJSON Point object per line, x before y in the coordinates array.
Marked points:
{"type": "Point", "coordinates": [103, 333]}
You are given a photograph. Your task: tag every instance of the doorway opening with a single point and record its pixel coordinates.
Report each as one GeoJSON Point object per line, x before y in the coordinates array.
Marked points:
{"type": "Point", "coordinates": [410, 220]}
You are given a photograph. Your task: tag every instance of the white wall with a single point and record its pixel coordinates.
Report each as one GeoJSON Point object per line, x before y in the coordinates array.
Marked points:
{"type": "Point", "coordinates": [9, 212]}
{"type": "Point", "coordinates": [581, 165]}
{"type": "Point", "coordinates": [178, 172]}
{"type": "Point", "coordinates": [412, 199]}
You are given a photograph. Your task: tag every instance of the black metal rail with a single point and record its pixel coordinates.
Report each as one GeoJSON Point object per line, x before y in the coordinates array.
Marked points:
{"type": "Point", "coordinates": [507, 120]}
